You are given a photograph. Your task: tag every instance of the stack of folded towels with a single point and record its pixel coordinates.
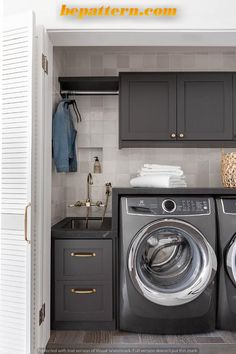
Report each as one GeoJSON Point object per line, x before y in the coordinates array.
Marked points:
{"type": "Point", "coordinates": [159, 176]}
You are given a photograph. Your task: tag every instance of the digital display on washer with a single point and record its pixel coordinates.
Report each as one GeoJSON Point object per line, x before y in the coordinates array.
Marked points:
{"type": "Point", "coordinates": [229, 206]}
{"type": "Point", "coordinates": [168, 205]}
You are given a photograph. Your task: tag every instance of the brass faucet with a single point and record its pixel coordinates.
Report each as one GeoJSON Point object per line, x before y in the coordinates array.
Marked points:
{"type": "Point", "coordinates": [88, 202]}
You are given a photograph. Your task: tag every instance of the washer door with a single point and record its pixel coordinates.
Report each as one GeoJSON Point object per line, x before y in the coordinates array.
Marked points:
{"type": "Point", "coordinates": [170, 262]}
{"type": "Point", "coordinates": [231, 260]}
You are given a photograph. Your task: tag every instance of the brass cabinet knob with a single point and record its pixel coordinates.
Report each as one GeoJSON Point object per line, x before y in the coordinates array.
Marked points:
{"type": "Point", "coordinates": [173, 135]}
{"type": "Point", "coordinates": [181, 135]}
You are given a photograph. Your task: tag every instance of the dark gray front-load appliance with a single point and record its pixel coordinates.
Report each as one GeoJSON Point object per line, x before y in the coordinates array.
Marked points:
{"type": "Point", "coordinates": [226, 316]}
{"type": "Point", "coordinates": [167, 264]}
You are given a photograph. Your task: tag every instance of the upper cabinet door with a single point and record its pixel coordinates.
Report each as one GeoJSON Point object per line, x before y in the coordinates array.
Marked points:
{"type": "Point", "coordinates": [204, 109]}
{"type": "Point", "coordinates": [234, 106]}
{"type": "Point", "coordinates": [147, 106]}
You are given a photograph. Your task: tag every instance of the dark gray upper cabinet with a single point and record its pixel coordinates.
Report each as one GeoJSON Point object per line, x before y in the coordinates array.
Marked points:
{"type": "Point", "coordinates": [177, 109]}
{"type": "Point", "coordinates": [147, 106]}
{"type": "Point", "coordinates": [234, 106]}
{"type": "Point", "coordinates": [204, 109]}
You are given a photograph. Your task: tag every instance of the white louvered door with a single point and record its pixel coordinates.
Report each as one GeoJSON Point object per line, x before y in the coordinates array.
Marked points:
{"type": "Point", "coordinates": [16, 242]}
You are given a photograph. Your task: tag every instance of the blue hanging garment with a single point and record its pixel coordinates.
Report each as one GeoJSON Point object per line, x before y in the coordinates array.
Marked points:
{"type": "Point", "coordinates": [63, 139]}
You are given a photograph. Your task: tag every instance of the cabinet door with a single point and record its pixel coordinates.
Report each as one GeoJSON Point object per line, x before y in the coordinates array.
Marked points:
{"type": "Point", "coordinates": [17, 177]}
{"type": "Point", "coordinates": [234, 106]}
{"type": "Point", "coordinates": [147, 106]}
{"type": "Point", "coordinates": [204, 106]}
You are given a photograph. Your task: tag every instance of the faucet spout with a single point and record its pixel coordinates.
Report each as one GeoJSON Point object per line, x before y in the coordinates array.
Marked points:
{"type": "Point", "coordinates": [89, 183]}
{"type": "Point", "coordinates": [88, 201]}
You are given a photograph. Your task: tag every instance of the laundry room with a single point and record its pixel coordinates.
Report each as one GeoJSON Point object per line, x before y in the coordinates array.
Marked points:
{"type": "Point", "coordinates": [118, 188]}
{"type": "Point", "coordinates": [195, 165]}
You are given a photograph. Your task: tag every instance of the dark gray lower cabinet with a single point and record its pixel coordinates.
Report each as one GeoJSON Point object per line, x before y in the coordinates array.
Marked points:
{"type": "Point", "coordinates": [83, 301]}
{"type": "Point", "coordinates": [82, 294]}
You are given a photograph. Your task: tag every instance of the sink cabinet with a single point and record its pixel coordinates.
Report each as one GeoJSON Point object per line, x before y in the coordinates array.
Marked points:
{"type": "Point", "coordinates": [177, 109]}
{"type": "Point", "coordinates": [82, 279]}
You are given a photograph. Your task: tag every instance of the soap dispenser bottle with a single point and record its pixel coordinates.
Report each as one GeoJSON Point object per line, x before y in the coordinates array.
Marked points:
{"type": "Point", "coordinates": [97, 166]}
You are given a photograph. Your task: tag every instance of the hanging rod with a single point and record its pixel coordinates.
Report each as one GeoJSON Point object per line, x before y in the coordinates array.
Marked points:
{"type": "Point", "coordinates": [83, 93]}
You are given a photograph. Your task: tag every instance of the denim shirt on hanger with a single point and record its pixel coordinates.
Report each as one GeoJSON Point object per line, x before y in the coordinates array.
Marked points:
{"type": "Point", "coordinates": [63, 139]}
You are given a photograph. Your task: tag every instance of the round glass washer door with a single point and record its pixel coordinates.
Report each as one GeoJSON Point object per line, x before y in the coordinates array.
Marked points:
{"type": "Point", "coordinates": [231, 260]}
{"type": "Point", "coordinates": [170, 262]}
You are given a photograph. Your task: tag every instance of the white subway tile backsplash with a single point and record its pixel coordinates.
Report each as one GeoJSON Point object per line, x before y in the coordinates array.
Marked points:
{"type": "Point", "coordinates": [229, 62]}
{"type": "Point", "coordinates": [215, 61]}
{"type": "Point", "coordinates": [136, 62]}
{"type": "Point", "coordinates": [110, 61]}
{"type": "Point", "coordinates": [163, 62]}
{"type": "Point", "coordinates": [110, 140]}
{"type": "Point", "coordinates": [109, 126]}
{"type": "Point", "coordinates": [149, 61]}
{"type": "Point", "coordinates": [96, 61]}
{"type": "Point", "coordinates": [110, 114]}
{"type": "Point", "coordinates": [84, 140]}
{"type": "Point", "coordinates": [189, 62]}
{"type": "Point", "coordinates": [96, 140]}
{"type": "Point", "coordinates": [96, 127]}
{"type": "Point", "coordinates": [123, 61]}
{"type": "Point", "coordinates": [176, 62]}
{"type": "Point", "coordinates": [110, 72]}
{"type": "Point", "coordinates": [202, 62]}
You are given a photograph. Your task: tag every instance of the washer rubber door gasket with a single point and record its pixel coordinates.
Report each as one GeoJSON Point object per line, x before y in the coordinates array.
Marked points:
{"type": "Point", "coordinates": [170, 262]}
{"type": "Point", "coordinates": [231, 260]}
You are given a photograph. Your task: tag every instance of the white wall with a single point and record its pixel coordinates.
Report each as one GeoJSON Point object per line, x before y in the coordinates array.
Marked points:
{"type": "Point", "coordinates": [98, 132]}
{"type": "Point", "coordinates": [201, 14]}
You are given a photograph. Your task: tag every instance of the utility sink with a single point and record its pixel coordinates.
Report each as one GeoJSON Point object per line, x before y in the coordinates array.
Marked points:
{"type": "Point", "coordinates": [86, 224]}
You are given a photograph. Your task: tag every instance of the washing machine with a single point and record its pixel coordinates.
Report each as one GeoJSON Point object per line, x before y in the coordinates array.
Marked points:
{"type": "Point", "coordinates": [226, 314]}
{"type": "Point", "coordinates": [167, 264]}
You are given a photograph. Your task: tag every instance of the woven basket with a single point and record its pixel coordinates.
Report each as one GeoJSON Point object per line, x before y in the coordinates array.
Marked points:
{"type": "Point", "coordinates": [228, 169]}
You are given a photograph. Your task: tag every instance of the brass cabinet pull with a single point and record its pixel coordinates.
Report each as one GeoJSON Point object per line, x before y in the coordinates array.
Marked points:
{"type": "Point", "coordinates": [173, 135]}
{"type": "Point", "coordinates": [83, 291]}
{"type": "Point", "coordinates": [83, 254]}
{"type": "Point", "coordinates": [181, 135]}
{"type": "Point", "coordinates": [26, 222]}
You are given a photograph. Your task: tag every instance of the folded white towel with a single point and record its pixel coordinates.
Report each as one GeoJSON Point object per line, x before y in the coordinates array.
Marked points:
{"type": "Point", "coordinates": [158, 181]}
{"type": "Point", "coordinates": [149, 172]}
{"type": "Point", "coordinates": [157, 167]}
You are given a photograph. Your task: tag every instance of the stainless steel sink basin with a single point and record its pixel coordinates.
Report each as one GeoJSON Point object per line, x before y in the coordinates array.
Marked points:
{"type": "Point", "coordinates": [87, 224]}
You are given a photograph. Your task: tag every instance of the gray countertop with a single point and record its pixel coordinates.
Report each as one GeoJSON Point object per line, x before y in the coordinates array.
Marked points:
{"type": "Point", "coordinates": [118, 192]}
{"type": "Point", "coordinates": [173, 191]}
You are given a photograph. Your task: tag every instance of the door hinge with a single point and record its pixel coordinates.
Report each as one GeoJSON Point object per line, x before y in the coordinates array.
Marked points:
{"type": "Point", "coordinates": [45, 63]}
{"type": "Point", "coordinates": [42, 313]}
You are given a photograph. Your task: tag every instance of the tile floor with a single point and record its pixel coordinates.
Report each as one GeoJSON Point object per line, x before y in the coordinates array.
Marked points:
{"type": "Point", "coordinates": [218, 342]}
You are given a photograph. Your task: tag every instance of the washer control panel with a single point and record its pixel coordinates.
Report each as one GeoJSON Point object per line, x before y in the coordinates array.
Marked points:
{"type": "Point", "coordinates": [168, 206]}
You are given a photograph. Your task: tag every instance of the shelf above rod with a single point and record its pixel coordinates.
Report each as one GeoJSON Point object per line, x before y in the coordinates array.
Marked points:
{"type": "Point", "coordinates": [89, 85]}
{"type": "Point", "coordinates": [92, 93]}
